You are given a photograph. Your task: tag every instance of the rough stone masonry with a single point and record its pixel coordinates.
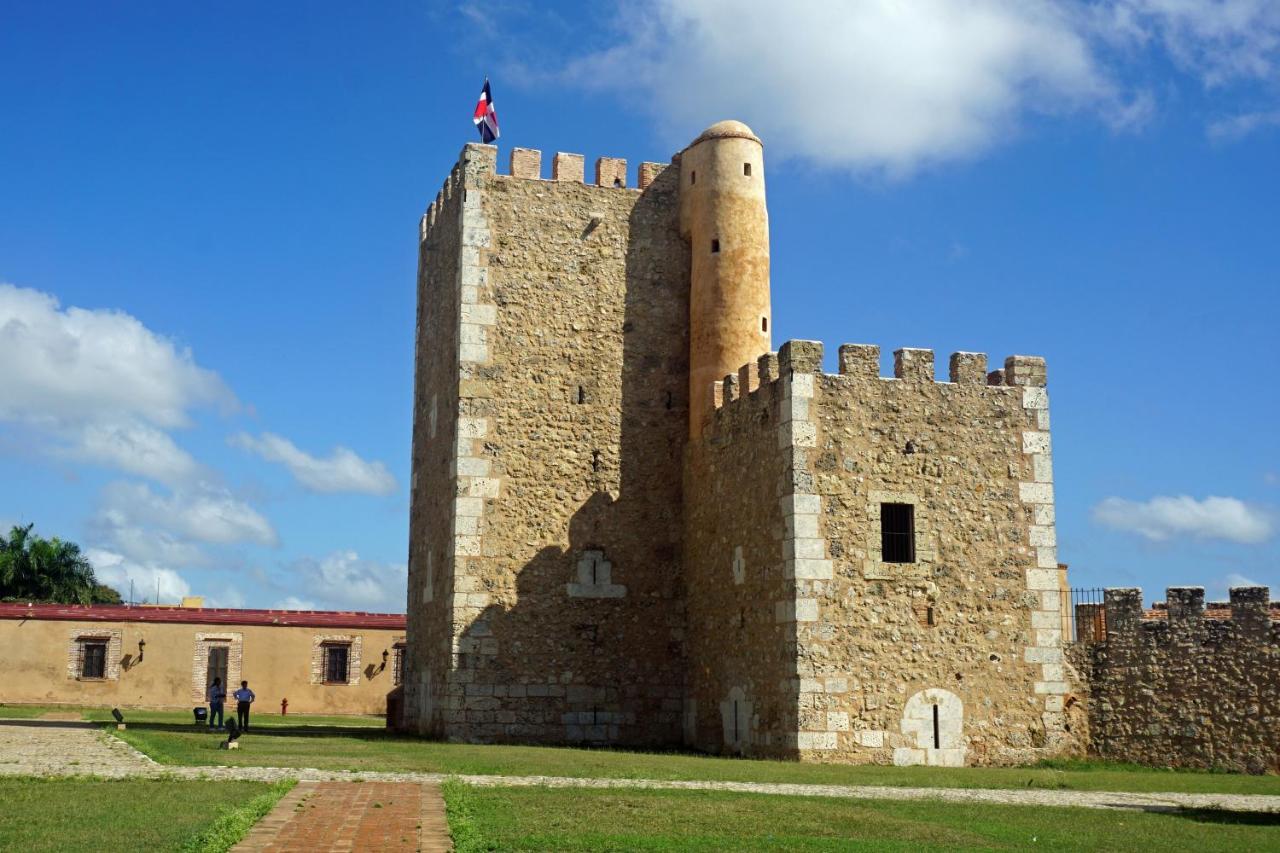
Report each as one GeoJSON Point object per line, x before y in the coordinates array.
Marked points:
{"type": "Point", "coordinates": [634, 523]}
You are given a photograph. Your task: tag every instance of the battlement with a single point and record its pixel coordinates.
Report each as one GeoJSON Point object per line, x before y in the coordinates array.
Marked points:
{"type": "Point", "coordinates": [862, 362]}
{"type": "Point", "coordinates": [478, 160]}
{"type": "Point", "coordinates": [1249, 613]}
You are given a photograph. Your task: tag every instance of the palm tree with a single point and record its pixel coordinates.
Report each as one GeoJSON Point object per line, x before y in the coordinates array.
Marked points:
{"type": "Point", "coordinates": [33, 568]}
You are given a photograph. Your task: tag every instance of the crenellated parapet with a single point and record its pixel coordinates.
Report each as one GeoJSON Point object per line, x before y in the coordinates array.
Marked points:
{"type": "Point", "coordinates": [1187, 683]}
{"type": "Point", "coordinates": [481, 162]}
{"type": "Point", "coordinates": [757, 380]}
{"type": "Point", "coordinates": [1249, 615]}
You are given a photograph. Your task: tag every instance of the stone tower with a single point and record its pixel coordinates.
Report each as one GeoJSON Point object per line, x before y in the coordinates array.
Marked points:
{"type": "Point", "coordinates": [723, 216]}
{"type": "Point", "coordinates": [634, 524]}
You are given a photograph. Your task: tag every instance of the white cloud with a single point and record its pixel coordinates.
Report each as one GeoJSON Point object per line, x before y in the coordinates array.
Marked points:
{"type": "Point", "coordinates": [134, 448]}
{"type": "Point", "coordinates": [1168, 517]}
{"type": "Point", "coordinates": [78, 365]}
{"type": "Point", "coordinates": [1220, 589]}
{"type": "Point", "coordinates": [292, 602]}
{"type": "Point", "coordinates": [1221, 41]}
{"type": "Point", "coordinates": [1239, 126]}
{"type": "Point", "coordinates": [343, 581]}
{"type": "Point", "coordinates": [890, 86]}
{"type": "Point", "coordinates": [99, 386]}
{"type": "Point", "coordinates": [117, 570]}
{"type": "Point", "coordinates": [341, 471]}
{"type": "Point", "coordinates": [205, 514]}
{"type": "Point", "coordinates": [879, 85]}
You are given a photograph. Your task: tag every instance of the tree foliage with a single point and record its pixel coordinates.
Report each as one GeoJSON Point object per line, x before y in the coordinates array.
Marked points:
{"type": "Point", "coordinates": [33, 568]}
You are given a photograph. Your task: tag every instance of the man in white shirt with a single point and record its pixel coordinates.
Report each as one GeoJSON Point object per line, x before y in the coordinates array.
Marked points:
{"type": "Point", "coordinates": [244, 698]}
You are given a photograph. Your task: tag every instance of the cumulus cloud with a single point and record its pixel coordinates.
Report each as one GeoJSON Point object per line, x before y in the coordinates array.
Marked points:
{"type": "Point", "coordinates": [99, 386]}
{"type": "Point", "coordinates": [878, 84]}
{"type": "Point", "coordinates": [343, 581]}
{"type": "Point", "coordinates": [1239, 126]}
{"type": "Point", "coordinates": [891, 86]}
{"type": "Point", "coordinates": [117, 570]}
{"type": "Point", "coordinates": [1168, 517]}
{"type": "Point", "coordinates": [341, 471]}
{"type": "Point", "coordinates": [207, 514]}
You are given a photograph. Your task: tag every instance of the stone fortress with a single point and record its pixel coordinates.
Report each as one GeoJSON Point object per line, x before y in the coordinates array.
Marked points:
{"type": "Point", "coordinates": [634, 523]}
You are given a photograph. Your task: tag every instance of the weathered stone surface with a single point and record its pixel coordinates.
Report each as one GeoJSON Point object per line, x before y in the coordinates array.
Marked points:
{"type": "Point", "coordinates": [1185, 690]}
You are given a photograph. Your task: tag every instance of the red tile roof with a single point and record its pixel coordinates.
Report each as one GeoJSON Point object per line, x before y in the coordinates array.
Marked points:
{"type": "Point", "coordinates": [201, 615]}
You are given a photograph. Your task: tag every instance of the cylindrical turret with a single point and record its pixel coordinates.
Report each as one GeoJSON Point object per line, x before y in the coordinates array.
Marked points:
{"type": "Point", "coordinates": [723, 216]}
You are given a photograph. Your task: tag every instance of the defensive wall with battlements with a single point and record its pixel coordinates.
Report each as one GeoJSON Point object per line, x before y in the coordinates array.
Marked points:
{"type": "Point", "coordinates": [1186, 685]}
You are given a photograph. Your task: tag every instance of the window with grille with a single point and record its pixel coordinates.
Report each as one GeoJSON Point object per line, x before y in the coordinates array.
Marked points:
{"type": "Point", "coordinates": [897, 533]}
{"type": "Point", "coordinates": [397, 665]}
{"type": "Point", "coordinates": [93, 659]}
{"type": "Point", "coordinates": [337, 657]}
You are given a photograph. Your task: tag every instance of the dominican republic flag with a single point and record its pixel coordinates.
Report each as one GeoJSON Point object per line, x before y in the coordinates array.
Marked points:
{"type": "Point", "coordinates": [486, 117]}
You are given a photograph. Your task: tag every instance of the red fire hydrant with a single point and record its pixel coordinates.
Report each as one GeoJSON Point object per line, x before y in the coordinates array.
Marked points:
{"type": "Point", "coordinates": [284, 707]}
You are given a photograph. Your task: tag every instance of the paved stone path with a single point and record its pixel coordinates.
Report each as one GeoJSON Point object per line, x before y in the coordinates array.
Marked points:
{"type": "Point", "coordinates": [51, 749]}
{"type": "Point", "coordinates": [397, 817]}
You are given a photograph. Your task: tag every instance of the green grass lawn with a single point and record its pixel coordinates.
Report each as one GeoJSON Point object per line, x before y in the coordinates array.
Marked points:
{"type": "Point", "coordinates": [577, 819]}
{"type": "Point", "coordinates": [22, 712]}
{"type": "Point", "coordinates": [377, 750]}
{"type": "Point", "coordinates": [129, 814]}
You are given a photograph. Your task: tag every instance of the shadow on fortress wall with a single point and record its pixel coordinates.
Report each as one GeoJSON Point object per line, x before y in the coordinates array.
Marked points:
{"type": "Point", "coordinates": [607, 670]}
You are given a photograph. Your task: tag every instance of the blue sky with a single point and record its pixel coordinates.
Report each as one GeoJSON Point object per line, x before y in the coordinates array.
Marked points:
{"type": "Point", "coordinates": [208, 222]}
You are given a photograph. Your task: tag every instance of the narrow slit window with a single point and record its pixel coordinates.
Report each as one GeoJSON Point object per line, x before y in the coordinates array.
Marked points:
{"type": "Point", "coordinates": [715, 247]}
{"type": "Point", "coordinates": [693, 178]}
{"type": "Point", "coordinates": [582, 395]}
{"type": "Point", "coordinates": [937, 734]}
{"type": "Point", "coordinates": [764, 324]}
{"type": "Point", "coordinates": [930, 619]}
{"type": "Point", "coordinates": [746, 169]}
{"type": "Point", "coordinates": [897, 533]}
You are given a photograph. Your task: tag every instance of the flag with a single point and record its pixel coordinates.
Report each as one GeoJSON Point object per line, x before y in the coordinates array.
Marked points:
{"type": "Point", "coordinates": [486, 117]}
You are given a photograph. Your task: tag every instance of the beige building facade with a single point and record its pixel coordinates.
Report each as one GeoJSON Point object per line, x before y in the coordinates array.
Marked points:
{"type": "Point", "coordinates": [633, 522]}
{"type": "Point", "coordinates": [165, 657]}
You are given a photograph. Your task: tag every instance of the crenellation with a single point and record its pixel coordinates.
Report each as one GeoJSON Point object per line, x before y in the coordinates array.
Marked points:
{"type": "Point", "coordinates": [526, 163]}
{"type": "Point", "coordinates": [729, 388]}
{"type": "Point", "coordinates": [611, 172]}
{"type": "Point", "coordinates": [567, 167]}
{"type": "Point", "coordinates": [1024, 370]}
{"type": "Point", "coordinates": [648, 173]}
{"type": "Point", "coordinates": [799, 357]}
{"type": "Point", "coordinates": [1251, 609]}
{"type": "Point", "coordinates": [968, 368]}
{"type": "Point", "coordinates": [996, 377]}
{"type": "Point", "coordinates": [767, 367]}
{"type": "Point", "coordinates": [1185, 605]}
{"type": "Point", "coordinates": [860, 360]}
{"type": "Point", "coordinates": [913, 365]}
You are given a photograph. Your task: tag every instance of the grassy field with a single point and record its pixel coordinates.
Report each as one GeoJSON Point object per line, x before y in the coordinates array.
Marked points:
{"type": "Point", "coordinates": [597, 820]}
{"type": "Point", "coordinates": [181, 718]}
{"type": "Point", "coordinates": [377, 750]}
{"type": "Point", "coordinates": [129, 815]}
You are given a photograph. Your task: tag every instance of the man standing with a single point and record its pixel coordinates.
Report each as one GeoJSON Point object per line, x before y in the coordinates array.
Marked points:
{"type": "Point", "coordinates": [244, 698]}
{"type": "Point", "coordinates": [217, 696]}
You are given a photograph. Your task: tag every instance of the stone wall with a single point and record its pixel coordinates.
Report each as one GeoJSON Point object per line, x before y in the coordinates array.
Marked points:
{"type": "Point", "coordinates": [795, 614]}
{"type": "Point", "coordinates": [1186, 690]}
{"type": "Point", "coordinates": [564, 618]}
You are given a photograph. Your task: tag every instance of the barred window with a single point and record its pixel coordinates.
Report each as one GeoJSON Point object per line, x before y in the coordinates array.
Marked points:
{"type": "Point", "coordinates": [397, 664]}
{"type": "Point", "coordinates": [897, 533]}
{"type": "Point", "coordinates": [337, 657]}
{"type": "Point", "coordinates": [93, 658]}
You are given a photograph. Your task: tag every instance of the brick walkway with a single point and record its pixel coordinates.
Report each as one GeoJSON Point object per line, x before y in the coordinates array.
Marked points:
{"type": "Point", "coordinates": [353, 816]}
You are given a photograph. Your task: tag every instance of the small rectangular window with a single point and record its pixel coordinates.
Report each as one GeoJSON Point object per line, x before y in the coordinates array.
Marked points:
{"type": "Point", "coordinates": [93, 659]}
{"type": "Point", "coordinates": [336, 657]}
{"type": "Point", "coordinates": [897, 533]}
{"type": "Point", "coordinates": [746, 169]}
{"type": "Point", "coordinates": [715, 247]}
{"type": "Point", "coordinates": [693, 178]}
